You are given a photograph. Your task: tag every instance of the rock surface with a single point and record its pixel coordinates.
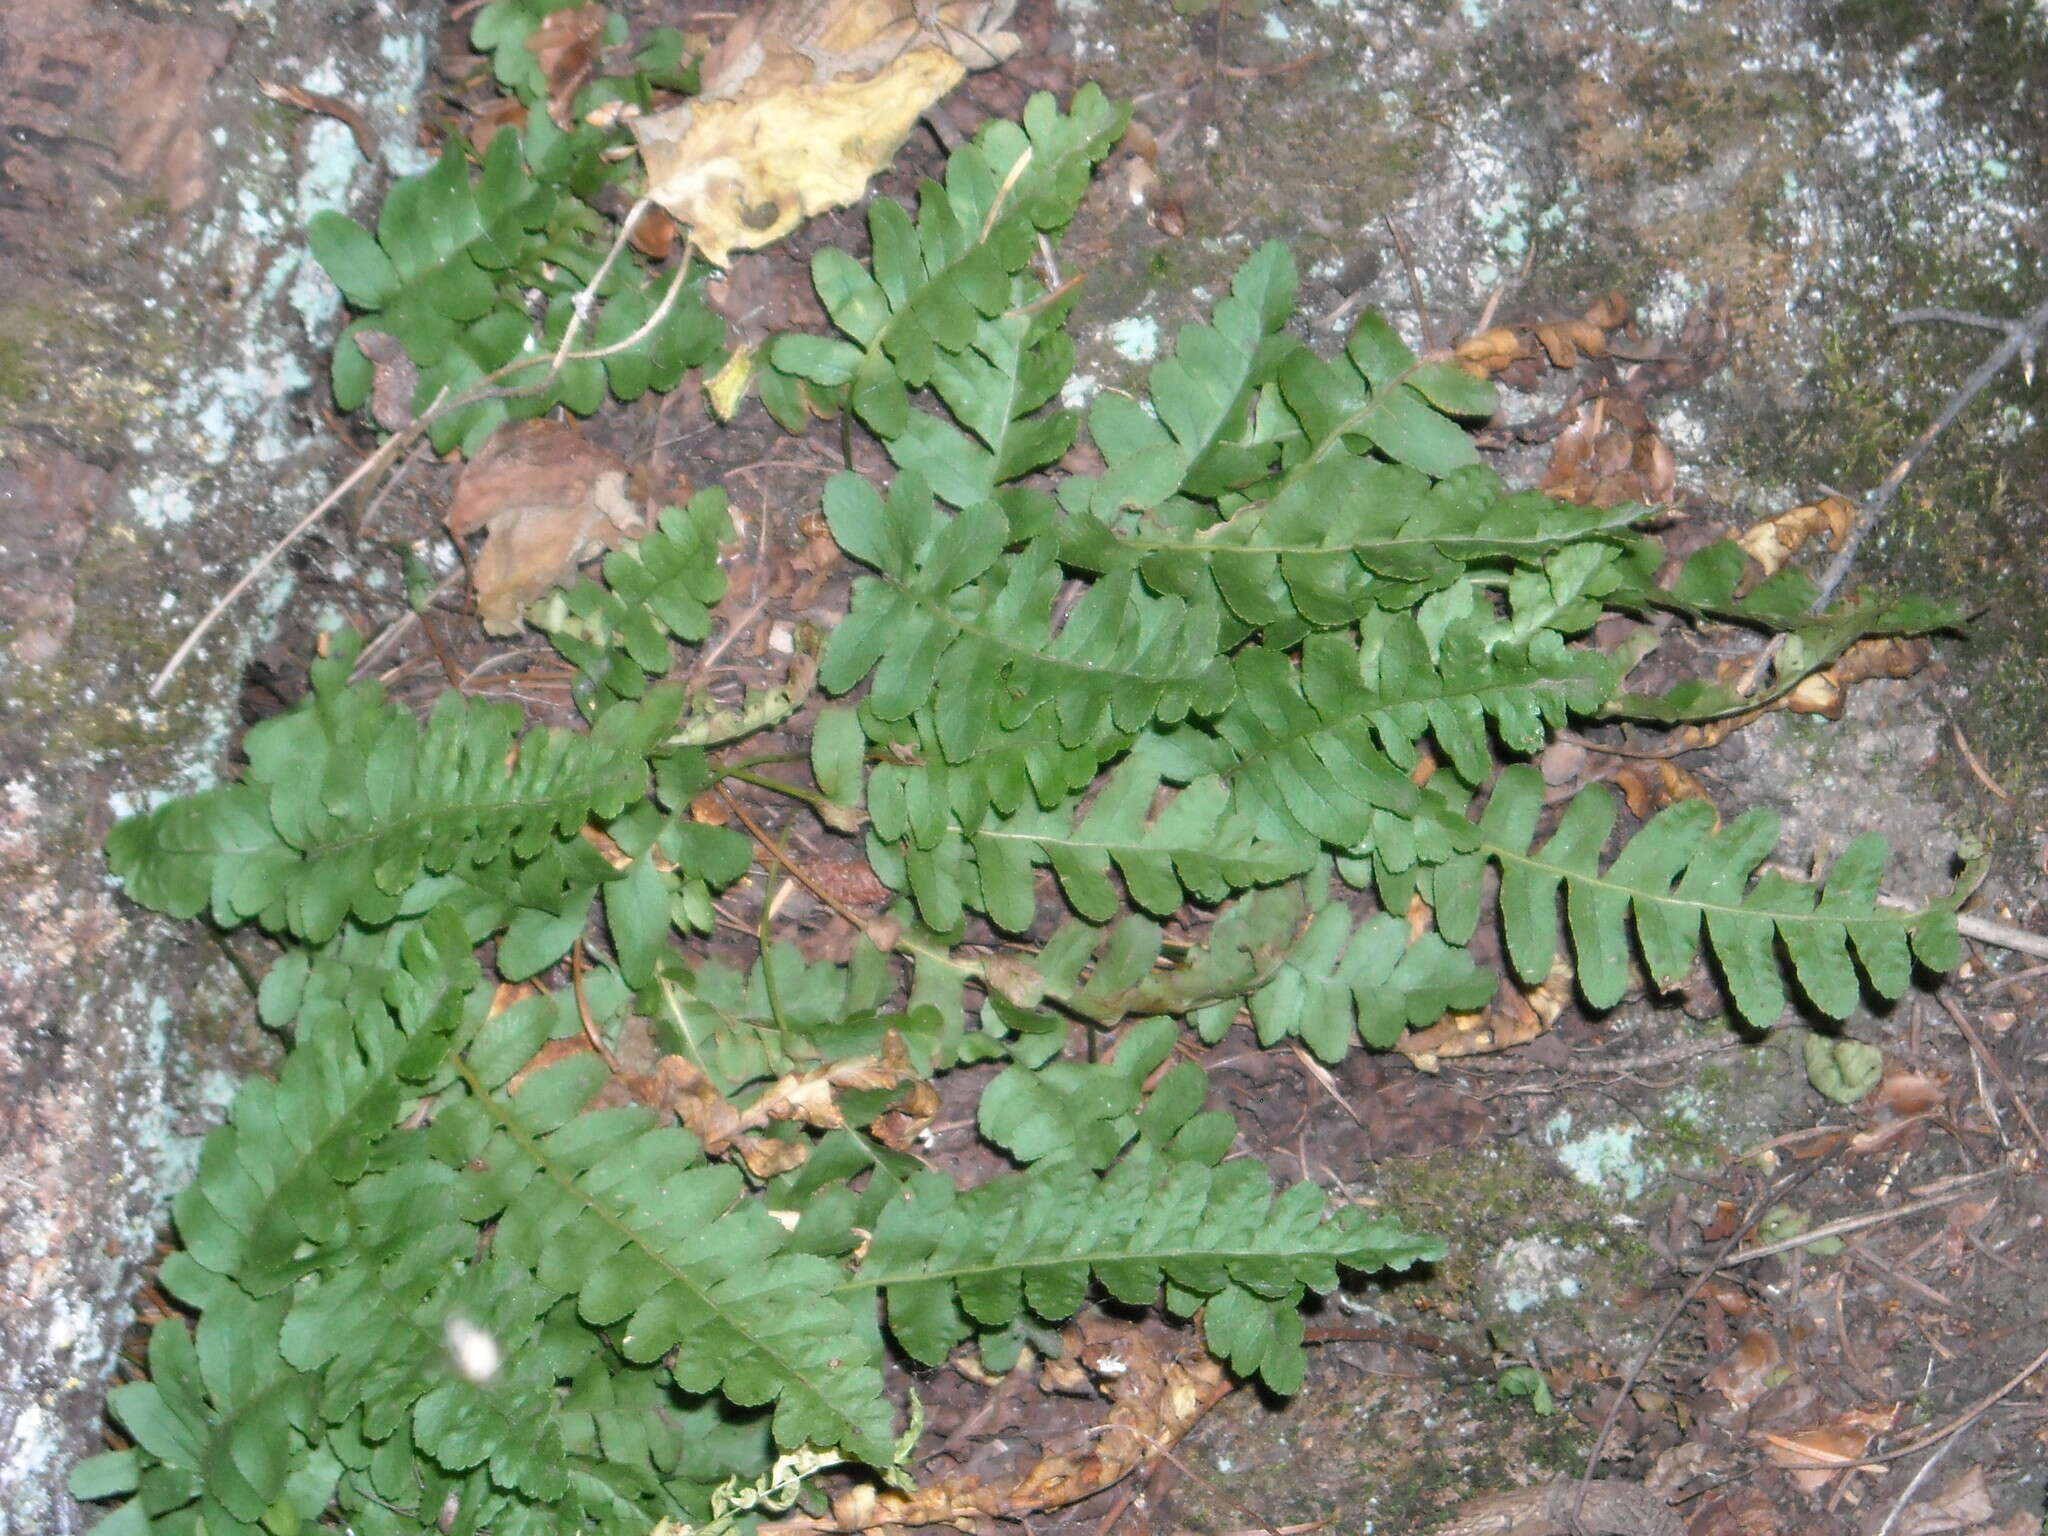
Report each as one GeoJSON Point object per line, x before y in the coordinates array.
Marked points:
{"type": "Point", "coordinates": [159, 324]}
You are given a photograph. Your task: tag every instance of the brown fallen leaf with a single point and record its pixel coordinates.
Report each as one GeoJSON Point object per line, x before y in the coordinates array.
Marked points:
{"type": "Point", "coordinates": [802, 103]}
{"type": "Point", "coordinates": [1813, 1454]}
{"type": "Point", "coordinates": [1516, 1015]}
{"type": "Point", "coordinates": [548, 499]}
{"type": "Point", "coordinates": [1746, 1374]}
{"type": "Point", "coordinates": [394, 379]}
{"type": "Point", "coordinates": [1611, 454]}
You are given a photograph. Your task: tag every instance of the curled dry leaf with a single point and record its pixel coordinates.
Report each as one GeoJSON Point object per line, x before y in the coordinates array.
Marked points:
{"type": "Point", "coordinates": [1827, 693]}
{"type": "Point", "coordinates": [803, 101]}
{"type": "Point", "coordinates": [548, 499]}
{"type": "Point", "coordinates": [1563, 343]}
{"type": "Point", "coordinates": [1650, 784]}
{"type": "Point", "coordinates": [1516, 1016]}
{"type": "Point", "coordinates": [1774, 540]}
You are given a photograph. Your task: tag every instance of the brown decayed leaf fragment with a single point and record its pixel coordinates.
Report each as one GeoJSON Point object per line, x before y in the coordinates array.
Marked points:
{"type": "Point", "coordinates": [679, 1087]}
{"type": "Point", "coordinates": [1610, 455]}
{"type": "Point", "coordinates": [803, 101]}
{"type": "Point", "coordinates": [548, 499]}
{"type": "Point", "coordinates": [566, 45]}
{"type": "Point", "coordinates": [1746, 1374]}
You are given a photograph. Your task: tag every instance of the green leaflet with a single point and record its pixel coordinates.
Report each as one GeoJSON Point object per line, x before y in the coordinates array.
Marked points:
{"type": "Point", "coordinates": [945, 622]}
{"type": "Point", "coordinates": [617, 632]}
{"type": "Point", "coordinates": [1190, 846]}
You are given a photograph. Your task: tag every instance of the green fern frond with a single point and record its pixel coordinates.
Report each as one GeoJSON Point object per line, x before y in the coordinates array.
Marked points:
{"type": "Point", "coordinates": [222, 1421]}
{"type": "Point", "coordinates": [264, 1207]}
{"type": "Point", "coordinates": [348, 802]}
{"type": "Point", "coordinates": [1676, 876]}
{"type": "Point", "coordinates": [449, 268]}
{"type": "Point", "coordinates": [1210, 1237]}
{"type": "Point", "coordinates": [625, 1216]}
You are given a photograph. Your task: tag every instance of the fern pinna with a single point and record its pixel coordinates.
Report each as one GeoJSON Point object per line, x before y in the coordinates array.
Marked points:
{"type": "Point", "coordinates": [1257, 699]}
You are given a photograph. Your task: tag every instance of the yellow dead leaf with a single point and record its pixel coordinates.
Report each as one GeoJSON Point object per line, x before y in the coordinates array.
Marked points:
{"type": "Point", "coordinates": [548, 499]}
{"type": "Point", "coordinates": [803, 102]}
{"type": "Point", "coordinates": [728, 387]}
{"type": "Point", "coordinates": [1776, 539]}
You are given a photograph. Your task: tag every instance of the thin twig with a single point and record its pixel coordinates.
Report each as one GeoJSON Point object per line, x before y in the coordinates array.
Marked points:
{"type": "Point", "coordinates": [1918, 1478]}
{"type": "Point", "coordinates": [2021, 336]}
{"type": "Point", "coordinates": [487, 388]}
{"type": "Point", "coordinates": [1970, 1035]}
{"type": "Point", "coordinates": [1414, 284]}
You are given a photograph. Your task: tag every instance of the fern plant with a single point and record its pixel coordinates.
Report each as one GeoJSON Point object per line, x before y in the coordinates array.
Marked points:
{"type": "Point", "coordinates": [1258, 700]}
{"type": "Point", "coordinates": [477, 264]}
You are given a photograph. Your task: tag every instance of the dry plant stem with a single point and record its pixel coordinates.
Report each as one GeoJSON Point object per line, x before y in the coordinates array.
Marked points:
{"type": "Point", "coordinates": [1840, 1228]}
{"type": "Point", "coordinates": [1161, 1448]}
{"type": "Point", "coordinates": [486, 388]}
{"type": "Point", "coordinates": [590, 1030]}
{"type": "Point", "coordinates": [2021, 337]}
{"type": "Point", "coordinates": [2003, 935]}
{"type": "Point", "coordinates": [1990, 1061]}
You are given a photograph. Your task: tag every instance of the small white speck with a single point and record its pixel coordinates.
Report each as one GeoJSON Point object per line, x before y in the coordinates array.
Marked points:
{"type": "Point", "coordinates": [473, 1352]}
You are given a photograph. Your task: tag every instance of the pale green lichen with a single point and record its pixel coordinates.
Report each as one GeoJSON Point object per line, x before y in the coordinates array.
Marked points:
{"type": "Point", "coordinates": [1136, 339]}
{"type": "Point", "coordinates": [1602, 1157]}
